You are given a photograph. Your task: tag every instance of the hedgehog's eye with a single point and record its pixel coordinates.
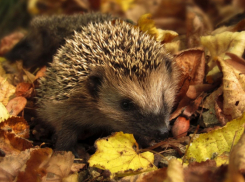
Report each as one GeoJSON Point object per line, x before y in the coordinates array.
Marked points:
{"type": "Point", "coordinates": [127, 104]}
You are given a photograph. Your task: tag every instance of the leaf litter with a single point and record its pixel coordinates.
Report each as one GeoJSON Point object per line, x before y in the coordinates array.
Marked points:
{"type": "Point", "coordinates": [211, 89]}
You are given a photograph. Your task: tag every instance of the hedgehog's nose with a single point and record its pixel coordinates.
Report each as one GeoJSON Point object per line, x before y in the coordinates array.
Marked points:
{"type": "Point", "coordinates": [162, 133]}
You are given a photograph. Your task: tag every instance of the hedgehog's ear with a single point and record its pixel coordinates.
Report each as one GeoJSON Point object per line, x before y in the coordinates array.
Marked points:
{"type": "Point", "coordinates": [94, 81]}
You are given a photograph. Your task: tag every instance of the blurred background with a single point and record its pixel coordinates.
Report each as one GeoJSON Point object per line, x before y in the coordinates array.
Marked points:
{"type": "Point", "coordinates": [181, 16]}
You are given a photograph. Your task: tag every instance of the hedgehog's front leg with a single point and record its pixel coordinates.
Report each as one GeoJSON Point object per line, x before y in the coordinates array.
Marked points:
{"type": "Point", "coordinates": [66, 138]}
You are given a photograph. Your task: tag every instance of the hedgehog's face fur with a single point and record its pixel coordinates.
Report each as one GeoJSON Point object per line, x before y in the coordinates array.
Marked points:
{"type": "Point", "coordinates": [135, 105]}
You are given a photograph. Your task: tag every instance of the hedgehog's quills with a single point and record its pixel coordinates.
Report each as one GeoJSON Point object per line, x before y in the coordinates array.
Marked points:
{"type": "Point", "coordinates": [108, 76]}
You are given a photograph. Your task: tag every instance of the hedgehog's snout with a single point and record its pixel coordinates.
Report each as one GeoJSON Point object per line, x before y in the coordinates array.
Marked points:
{"type": "Point", "coordinates": [161, 133]}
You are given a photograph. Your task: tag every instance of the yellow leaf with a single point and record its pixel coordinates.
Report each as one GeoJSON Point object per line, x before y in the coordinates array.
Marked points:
{"type": "Point", "coordinates": [216, 142]}
{"type": "Point", "coordinates": [119, 154]}
{"type": "Point", "coordinates": [109, 5]}
{"type": "Point", "coordinates": [147, 24]}
{"type": "Point", "coordinates": [7, 90]}
{"type": "Point", "coordinates": [32, 8]}
{"type": "Point", "coordinates": [218, 45]}
{"type": "Point", "coordinates": [125, 4]}
{"type": "Point", "coordinates": [3, 113]}
{"type": "Point", "coordinates": [172, 47]}
{"type": "Point", "coordinates": [222, 159]}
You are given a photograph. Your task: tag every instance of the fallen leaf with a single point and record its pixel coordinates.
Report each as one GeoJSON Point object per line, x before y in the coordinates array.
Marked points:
{"type": "Point", "coordinates": [219, 45]}
{"type": "Point", "coordinates": [119, 154]}
{"type": "Point", "coordinates": [191, 63]}
{"type": "Point", "coordinates": [58, 167]}
{"type": "Point", "coordinates": [203, 172]}
{"type": "Point", "coordinates": [13, 144]}
{"type": "Point", "coordinates": [24, 89]}
{"type": "Point", "coordinates": [16, 125]}
{"type": "Point", "coordinates": [236, 62]}
{"type": "Point", "coordinates": [3, 113]}
{"type": "Point", "coordinates": [193, 107]}
{"type": "Point", "coordinates": [197, 24]}
{"type": "Point", "coordinates": [236, 167]}
{"type": "Point", "coordinates": [233, 90]}
{"type": "Point", "coordinates": [175, 171]}
{"type": "Point", "coordinates": [31, 172]}
{"type": "Point", "coordinates": [16, 105]}
{"type": "Point", "coordinates": [10, 165]}
{"type": "Point", "coordinates": [216, 142]}
{"type": "Point", "coordinates": [158, 175]}
{"type": "Point", "coordinates": [29, 76]}
{"type": "Point", "coordinates": [71, 178]}
{"type": "Point", "coordinates": [146, 24]}
{"type": "Point", "coordinates": [9, 41]}
{"type": "Point", "coordinates": [172, 47]}
{"type": "Point", "coordinates": [209, 117]}
{"type": "Point", "coordinates": [41, 72]}
{"type": "Point", "coordinates": [7, 90]}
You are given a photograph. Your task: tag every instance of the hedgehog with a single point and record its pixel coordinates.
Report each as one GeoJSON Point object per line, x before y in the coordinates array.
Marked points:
{"type": "Point", "coordinates": [46, 35]}
{"type": "Point", "coordinates": [110, 76]}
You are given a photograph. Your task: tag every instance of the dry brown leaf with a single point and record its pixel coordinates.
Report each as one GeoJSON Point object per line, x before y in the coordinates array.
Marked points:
{"type": "Point", "coordinates": [41, 72]}
{"type": "Point", "coordinates": [16, 125]}
{"type": "Point", "coordinates": [156, 176]}
{"type": "Point", "coordinates": [193, 106]}
{"type": "Point", "coordinates": [58, 166]}
{"type": "Point", "coordinates": [10, 165]}
{"type": "Point", "coordinates": [9, 41]}
{"type": "Point", "coordinates": [236, 62]}
{"type": "Point", "coordinates": [202, 172]}
{"type": "Point", "coordinates": [16, 105]}
{"type": "Point", "coordinates": [24, 89]}
{"type": "Point", "coordinates": [197, 24]}
{"type": "Point", "coordinates": [11, 132]}
{"type": "Point", "coordinates": [185, 101]}
{"type": "Point", "coordinates": [12, 144]}
{"type": "Point", "coordinates": [233, 90]}
{"type": "Point", "coordinates": [32, 172]}
{"type": "Point", "coordinates": [195, 90]}
{"type": "Point", "coordinates": [30, 77]}
{"type": "Point", "coordinates": [191, 63]}
{"type": "Point", "coordinates": [174, 173]}
{"type": "Point", "coordinates": [209, 117]}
